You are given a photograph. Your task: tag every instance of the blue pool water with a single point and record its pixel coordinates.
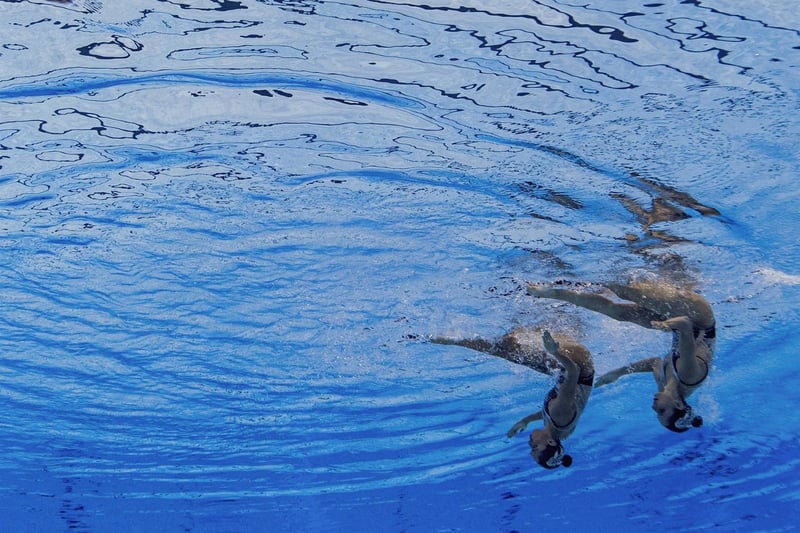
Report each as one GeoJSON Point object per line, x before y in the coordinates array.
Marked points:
{"type": "Point", "coordinates": [229, 226]}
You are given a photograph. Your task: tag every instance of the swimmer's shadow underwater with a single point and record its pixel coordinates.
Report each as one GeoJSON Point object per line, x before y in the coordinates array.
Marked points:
{"type": "Point", "coordinates": [666, 205]}
{"type": "Point", "coordinates": [654, 306]}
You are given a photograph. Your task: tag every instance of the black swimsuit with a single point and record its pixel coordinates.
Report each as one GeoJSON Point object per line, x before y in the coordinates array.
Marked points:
{"type": "Point", "coordinates": [708, 333]}
{"type": "Point", "coordinates": [709, 337]}
{"type": "Point", "coordinates": [675, 356]}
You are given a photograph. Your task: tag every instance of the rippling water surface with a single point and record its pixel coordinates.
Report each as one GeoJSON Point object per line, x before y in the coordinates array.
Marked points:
{"type": "Point", "coordinates": [228, 226]}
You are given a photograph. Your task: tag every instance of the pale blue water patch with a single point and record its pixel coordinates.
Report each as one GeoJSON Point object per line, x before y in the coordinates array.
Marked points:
{"type": "Point", "coordinates": [228, 227]}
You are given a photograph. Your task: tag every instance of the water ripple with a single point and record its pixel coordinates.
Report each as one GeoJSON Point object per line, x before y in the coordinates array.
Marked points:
{"type": "Point", "coordinates": [228, 224]}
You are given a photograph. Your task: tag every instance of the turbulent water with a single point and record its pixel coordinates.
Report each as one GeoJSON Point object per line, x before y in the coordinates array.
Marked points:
{"type": "Point", "coordinates": [227, 228]}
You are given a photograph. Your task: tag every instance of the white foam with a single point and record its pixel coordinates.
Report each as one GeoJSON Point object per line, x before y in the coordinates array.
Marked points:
{"type": "Point", "coordinates": [777, 276]}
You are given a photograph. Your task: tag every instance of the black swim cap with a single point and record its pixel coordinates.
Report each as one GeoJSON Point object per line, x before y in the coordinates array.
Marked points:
{"type": "Point", "coordinates": [553, 456]}
{"type": "Point", "coordinates": [682, 419]}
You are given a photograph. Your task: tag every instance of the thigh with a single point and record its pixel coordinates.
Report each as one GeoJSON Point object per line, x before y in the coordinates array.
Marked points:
{"type": "Point", "coordinates": [658, 302]}
{"type": "Point", "coordinates": [668, 301]}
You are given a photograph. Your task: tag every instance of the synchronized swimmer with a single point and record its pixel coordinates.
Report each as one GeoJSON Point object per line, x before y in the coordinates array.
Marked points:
{"type": "Point", "coordinates": [562, 357]}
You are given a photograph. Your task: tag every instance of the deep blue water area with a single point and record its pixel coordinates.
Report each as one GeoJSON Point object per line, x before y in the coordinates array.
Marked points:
{"type": "Point", "coordinates": [227, 229]}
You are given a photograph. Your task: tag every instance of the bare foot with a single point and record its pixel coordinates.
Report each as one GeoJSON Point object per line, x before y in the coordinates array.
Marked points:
{"type": "Point", "coordinates": [662, 325]}
{"type": "Point", "coordinates": [550, 343]}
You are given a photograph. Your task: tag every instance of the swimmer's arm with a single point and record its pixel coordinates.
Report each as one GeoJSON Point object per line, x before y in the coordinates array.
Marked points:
{"type": "Point", "coordinates": [651, 364]}
{"type": "Point", "coordinates": [522, 424]}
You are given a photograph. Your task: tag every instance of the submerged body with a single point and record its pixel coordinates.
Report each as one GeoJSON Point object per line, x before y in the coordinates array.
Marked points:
{"type": "Point", "coordinates": [569, 361]}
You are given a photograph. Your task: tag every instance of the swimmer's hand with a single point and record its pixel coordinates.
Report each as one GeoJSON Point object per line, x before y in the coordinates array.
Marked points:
{"type": "Point", "coordinates": [519, 427]}
{"type": "Point", "coordinates": [522, 424]}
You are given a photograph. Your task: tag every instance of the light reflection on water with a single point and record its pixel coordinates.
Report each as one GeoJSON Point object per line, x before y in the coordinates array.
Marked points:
{"type": "Point", "coordinates": [228, 225]}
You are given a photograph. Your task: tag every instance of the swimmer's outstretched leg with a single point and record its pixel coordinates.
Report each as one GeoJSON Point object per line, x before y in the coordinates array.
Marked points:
{"type": "Point", "coordinates": [624, 312]}
{"type": "Point", "coordinates": [477, 344]}
{"type": "Point", "coordinates": [509, 348]}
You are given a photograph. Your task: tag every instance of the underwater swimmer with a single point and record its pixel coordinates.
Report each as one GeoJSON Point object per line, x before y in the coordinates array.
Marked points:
{"type": "Point", "coordinates": [655, 306]}
{"type": "Point", "coordinates": [569, 361]}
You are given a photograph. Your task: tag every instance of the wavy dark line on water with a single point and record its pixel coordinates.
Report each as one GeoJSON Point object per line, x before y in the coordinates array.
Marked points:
{"type": "Point", "coordinates": [71, 84]}
{"type": "Point", "coordinates": [119, 47]}
{"type": "Point", "coordinates": [700, 31]}
{"type": "Point", "coordinates": [222, 5]}
{"type": "Point", "coordinates": [76, 84]}
{"type": "Point", "coordinates": [28, 200]}
{"type": "Point", "coordinates": [89, 6]}
{"type": "Point", "coordinates": [124, 158]}
{"type": "Point", "coordinates": [545, 78]}
{"type": "Point", "coordinates": [614, 34]}
{"type": "Point", "coordinates": [699, 4]}
{"type": "Point", "coordinates": [123, 46]}
{"type": "Point", "coordinates": [264, 50]}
